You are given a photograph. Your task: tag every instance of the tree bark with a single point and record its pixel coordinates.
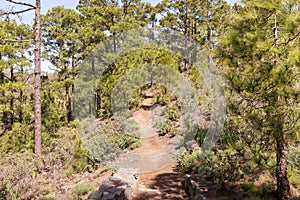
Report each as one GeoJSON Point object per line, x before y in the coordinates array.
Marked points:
{"type": "Point", "coordinates": [37, 87]}
{"type": "Point", "coordinates": [11, 103]}
{"type": "Point", "coordinates": [283, 185]}
{"type": "Point", "coordinates": [68, 104]}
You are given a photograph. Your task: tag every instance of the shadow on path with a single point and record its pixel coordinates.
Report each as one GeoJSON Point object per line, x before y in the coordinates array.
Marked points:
{"type": "Point", "coordinates": [164, 184]}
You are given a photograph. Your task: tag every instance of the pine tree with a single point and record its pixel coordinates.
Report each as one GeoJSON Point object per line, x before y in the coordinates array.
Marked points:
{"type": "Point", "coordinates": [109, 17]}
{"type": "Point", "coordinates": [261, 57]}
{"type": "Point", "coordinates": [37, 81]}
{"type": "Point", "coordinates": [37, 64]}
{"type": "Point", "coordinates": [14, 45]}
{"type": "Point", "coordinates": [63, 48]}
{"type": "Point", "coordinates": [203, 21]}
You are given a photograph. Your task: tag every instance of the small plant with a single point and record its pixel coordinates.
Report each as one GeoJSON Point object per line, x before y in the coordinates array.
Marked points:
{"type": "Point", "coordinates": [165, 127]}
{"type": "Point", "coordinates": [173, 113]}
{"type": "Point", "coordinates": [263, 190]}
{"type": "Point", "coordinates": [81, 189]}
{"type": "Point", "coordinates": [293, 157]}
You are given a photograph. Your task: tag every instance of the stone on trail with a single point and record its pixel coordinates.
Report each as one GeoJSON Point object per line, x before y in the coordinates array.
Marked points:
{"type": "Point", "coordinates": [119, 187]}
{"type": "Point", "coordinates": [149, 93]}
{"type": "Point", "coordinates": [148, 102]}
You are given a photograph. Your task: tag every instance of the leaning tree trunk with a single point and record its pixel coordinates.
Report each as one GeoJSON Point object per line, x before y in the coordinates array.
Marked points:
{"type": "Point", "coordinates": [37, 87]}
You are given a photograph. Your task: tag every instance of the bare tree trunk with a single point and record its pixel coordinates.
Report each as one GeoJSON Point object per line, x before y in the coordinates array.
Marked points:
{"type": "Point", "coordinates": [37, 87]}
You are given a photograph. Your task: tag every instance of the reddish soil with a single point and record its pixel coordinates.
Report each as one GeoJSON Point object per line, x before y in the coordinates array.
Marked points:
{"type": "Point", "coordinates": [151, 144]}
{"type": "Point", "coordinates": [164, 183]}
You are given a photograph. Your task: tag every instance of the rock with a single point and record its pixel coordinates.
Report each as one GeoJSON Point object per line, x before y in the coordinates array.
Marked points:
{"type": "Point", "coordinates": [148, 102]}
{"type": "Point", "coordinates": [110, 190]}
{"type": "Point", "coordinates": [118, 187]}
{"type": "Point", "coordinates": [95, 196]}
{"type": "Point", "coordinates": [192, 189]}
{"type": "Point", "coordinates": [149, 93]}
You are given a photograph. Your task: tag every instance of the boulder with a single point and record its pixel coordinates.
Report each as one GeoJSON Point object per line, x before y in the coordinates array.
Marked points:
{"type": "Point", "coordinates": [118, 187]}
{"type": "Point", "coordinates": [193, 189]}
{"type": "Point", "coordinates": [110, 190]}
{"type": "Point", "coordinates": [148, 102]}
{"type": "Point", "coordinates": [149, 93]}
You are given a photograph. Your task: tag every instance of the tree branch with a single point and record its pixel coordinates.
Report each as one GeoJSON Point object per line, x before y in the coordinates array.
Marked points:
{"type": "Point", "coordinates": [293, 38]}
{"type": "Point", "coordinates": [16, 12]}
{"type": "Point", "coordinates": [21, 3]}
{"type": "Point", "coordinates": [4, 40]}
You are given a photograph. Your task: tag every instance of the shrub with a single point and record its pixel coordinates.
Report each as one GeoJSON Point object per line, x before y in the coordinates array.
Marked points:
{"type": "Point", "coordinates": [173, 112]}
{"type": "Point", "coordinates": [293, 159]}
{"type": "Point", "coordinates": [81, 189]}
{"type": "Point", "coordinates": [263, 190]}
{"type": "Point", "coordinates": [221, 167]}
{"type": "Point", "coordinates": [17, 139]}
{"type": "Point", "coordinates": [16, 174]}
{"type": "Point", "coordinates": [104, 140]}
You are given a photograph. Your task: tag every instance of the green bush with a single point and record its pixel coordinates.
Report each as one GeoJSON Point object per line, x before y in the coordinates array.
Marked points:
{"type": "Point", "coordinates": [104, 140]}
{"type": "Point", "coordinates": [293, 159]}
{"type": "Point", "coordinates": [263, 190]}
{"type": "Point", "coordinates": [17, 139]}
{"type": "Point", "coordinates": [222, 166]}
{"type": "Point", "coordinates": [80, 160]}
{"type": "Point", "coordinates": [81, 189]}
{"type": "Point", "coordinates": [173, 112]}
{"type": "Point", "coordinates": [165, 127]}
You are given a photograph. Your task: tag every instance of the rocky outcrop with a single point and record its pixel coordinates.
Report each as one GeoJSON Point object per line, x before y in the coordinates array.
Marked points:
{"type": "Point", "coordinates": [118, 187]}
{"type": "Point", "coordinates": [110, 190]}
{"type": "Point", "coordinates": [193, 189]}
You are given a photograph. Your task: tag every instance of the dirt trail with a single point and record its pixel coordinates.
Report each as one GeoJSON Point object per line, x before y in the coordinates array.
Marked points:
{"type": "Point", "coordinates": [164, 183]}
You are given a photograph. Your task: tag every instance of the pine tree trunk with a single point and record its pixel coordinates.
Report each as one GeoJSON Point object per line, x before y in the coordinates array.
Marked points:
{"type": "Point", "coordinates": [283, 186]}
{"type": "Point", "coordinates": [21, 97]}
{"type": "Point", "coordinates": [37, 87]}
{"type": "Point", "coordinates": [68, 104]}
{"type": "Point", "coordinates": [11, 103]}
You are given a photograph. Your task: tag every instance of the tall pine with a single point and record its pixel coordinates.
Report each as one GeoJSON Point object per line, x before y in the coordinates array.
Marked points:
{"type": "Point", "coordinates": [261, 57]}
